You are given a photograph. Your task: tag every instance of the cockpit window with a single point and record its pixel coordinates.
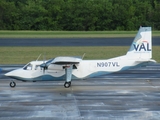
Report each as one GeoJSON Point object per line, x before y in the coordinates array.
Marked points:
{"type": "Point", "coordinates": [28, 67]}
{"type": "Point", "coordinates": [37, 67]}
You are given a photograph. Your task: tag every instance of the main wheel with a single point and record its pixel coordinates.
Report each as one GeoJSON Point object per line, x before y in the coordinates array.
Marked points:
{"type": "Point", "coordinates": [12, 84]}
{"type": "Point", "coordinates": [67, 84]}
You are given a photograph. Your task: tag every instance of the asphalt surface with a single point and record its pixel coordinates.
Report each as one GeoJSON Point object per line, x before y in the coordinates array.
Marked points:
{"type": "Point", "coordinates": [128, 95]}
{"type": "Point", "coordinates": [71, 41]}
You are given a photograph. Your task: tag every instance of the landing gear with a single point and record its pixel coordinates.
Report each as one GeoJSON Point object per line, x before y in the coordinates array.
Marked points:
{"type": "Point", "coordinates": [67, 84]}
{"type": "Point", "coordinates": [12, 84]}
{"type": "Point", "coordinates": [68, 75]}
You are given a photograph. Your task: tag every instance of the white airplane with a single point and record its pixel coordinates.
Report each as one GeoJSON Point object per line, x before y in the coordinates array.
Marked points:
{"type": "Point", "coordinates": [75, 68]}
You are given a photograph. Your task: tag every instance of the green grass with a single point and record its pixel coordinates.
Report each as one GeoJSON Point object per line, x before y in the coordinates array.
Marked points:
{"type": "Point", "coordinates": [23, 55]}
{"type": "Point", "coordinates": [69, 34]}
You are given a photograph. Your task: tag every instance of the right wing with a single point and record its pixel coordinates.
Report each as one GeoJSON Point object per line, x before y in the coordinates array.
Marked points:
{"type": "Point", "coordinates": [66, 60]}
{"type": "Point", "coordinates": [61, 61]}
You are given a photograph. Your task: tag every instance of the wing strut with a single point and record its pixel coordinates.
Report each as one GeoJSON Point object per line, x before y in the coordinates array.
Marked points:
{"type": "Point", "coordinates": [68, 73]}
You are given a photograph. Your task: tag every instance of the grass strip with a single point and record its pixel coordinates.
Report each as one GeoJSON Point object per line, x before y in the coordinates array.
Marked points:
{"type": "Point", "coordinates": [23, 55]}
{"type": "Point", "coordinates": [69, 34]}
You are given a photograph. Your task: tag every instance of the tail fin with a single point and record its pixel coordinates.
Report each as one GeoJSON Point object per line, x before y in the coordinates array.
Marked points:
{"type": "Point", "coordinates": [142, 44]}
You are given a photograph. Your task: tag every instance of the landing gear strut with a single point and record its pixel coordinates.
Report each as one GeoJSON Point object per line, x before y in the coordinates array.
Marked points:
{"type": "Point", "coordinates": [68, 75]}
{"type": "Point", "coordinates": [12, 84]}
{"type": "Point", "coordinates": [67, 84]}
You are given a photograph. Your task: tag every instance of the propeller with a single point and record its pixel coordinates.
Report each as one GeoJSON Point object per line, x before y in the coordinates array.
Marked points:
{"type": "Point", "coordinates": [45, 67]}
{"type": "Point", "coordinates": [45, 64]}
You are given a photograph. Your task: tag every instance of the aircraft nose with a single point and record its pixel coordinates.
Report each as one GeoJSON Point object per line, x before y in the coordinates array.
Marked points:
{"type": "Point", "coordinates": [9, 74]}
{"type": "Point", "coordinates": [12, 73]}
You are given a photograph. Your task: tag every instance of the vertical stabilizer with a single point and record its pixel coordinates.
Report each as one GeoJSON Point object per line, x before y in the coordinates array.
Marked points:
{"type": "Point", "coordinates": [142, 44]}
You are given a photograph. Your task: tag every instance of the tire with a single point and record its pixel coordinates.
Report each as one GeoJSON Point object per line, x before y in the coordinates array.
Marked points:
{"type": "Point", "coordinates": [67, 84]}
{"type": "Point", "coordinates": [12, 84]}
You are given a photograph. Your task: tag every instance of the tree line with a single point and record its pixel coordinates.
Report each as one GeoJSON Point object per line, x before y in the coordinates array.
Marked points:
{"type": "Point", "coordinates": [79, 15]}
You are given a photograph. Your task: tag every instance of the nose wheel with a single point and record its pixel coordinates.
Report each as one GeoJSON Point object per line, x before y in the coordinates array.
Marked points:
{"type": "Point", "coordinates": [12, 84]}
{"type": "Point", "coordinates": [67, 84]}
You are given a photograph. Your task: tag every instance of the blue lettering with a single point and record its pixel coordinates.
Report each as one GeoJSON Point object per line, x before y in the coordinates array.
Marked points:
{"type": "Point", "coordinates": [108, 64]}
{"type": "Point", "coordinates": [98, 64]}
{"type": "Point", "coordinates": [136, 47]}
{"type": "Point", "coordinates": [114, 64]}
{"type": "Point", "coordinates": [142, 47]}
{"type": "Point", "coordinates": [148, 47]}
{"type": "Point", "coordinates": [117, 64]}
{"type": "Point", "coordinates": [103, 64]}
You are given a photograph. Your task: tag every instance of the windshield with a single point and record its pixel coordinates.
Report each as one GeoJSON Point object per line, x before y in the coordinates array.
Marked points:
{"type": "Point", "coordinates": [28, 67]}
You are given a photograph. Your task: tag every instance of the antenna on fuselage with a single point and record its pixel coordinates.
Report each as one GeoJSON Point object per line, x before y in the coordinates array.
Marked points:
{"type": "Point", "coordinates": [83, 55]}
{"type": "Point", "coordinates": [38, 57]}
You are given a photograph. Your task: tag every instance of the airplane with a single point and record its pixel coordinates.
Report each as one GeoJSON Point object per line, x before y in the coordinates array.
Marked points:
{"type": "Point", "coordinates": [69, 68]}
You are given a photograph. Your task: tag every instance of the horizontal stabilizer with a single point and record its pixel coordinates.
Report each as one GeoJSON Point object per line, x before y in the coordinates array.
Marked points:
{"type": "Point", "coordinates": [146, 60]}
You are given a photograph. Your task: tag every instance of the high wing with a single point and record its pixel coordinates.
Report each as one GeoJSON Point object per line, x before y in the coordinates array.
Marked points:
{"type": "Point", "coordinates": [66, 60]}
{"type": "Point", "coordinates": [68, 64]}
{"type": "Point", "coordinates": [62, 61]}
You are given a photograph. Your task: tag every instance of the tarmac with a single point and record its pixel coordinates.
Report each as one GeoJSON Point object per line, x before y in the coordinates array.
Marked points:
{"type": "Point", "coordinates": [34, 42]}
{"type": "Point", "coordinates": [128, 95]}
